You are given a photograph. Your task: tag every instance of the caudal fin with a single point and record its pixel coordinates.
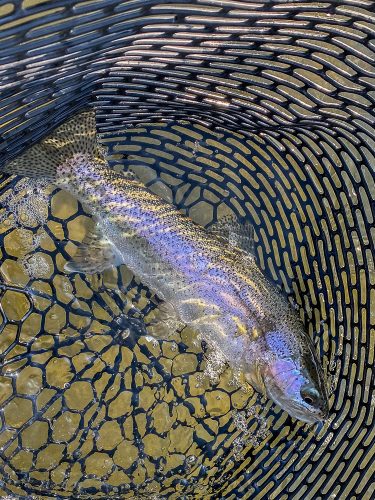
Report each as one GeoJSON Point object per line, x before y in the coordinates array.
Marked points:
{"type": "Point", "coordinates": [75, 136]}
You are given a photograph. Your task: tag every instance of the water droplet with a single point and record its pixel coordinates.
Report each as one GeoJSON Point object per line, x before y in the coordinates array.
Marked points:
{"type": "Point", "coordinates": [125, 334]}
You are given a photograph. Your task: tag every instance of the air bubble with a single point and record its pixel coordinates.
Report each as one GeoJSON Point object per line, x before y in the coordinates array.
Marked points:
{"type": "Point", "coordinates": [215, 366]}
{"type": "Point", "coordinates": [28, 203]}
{"type": "Point", "coordinates": [248, 436]}
{"type": "Point", "coordinates": [35, 266]}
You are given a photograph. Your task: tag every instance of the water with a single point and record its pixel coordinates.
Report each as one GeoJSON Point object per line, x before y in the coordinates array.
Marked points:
{"type": "Point", "coordinates": [93, 405]}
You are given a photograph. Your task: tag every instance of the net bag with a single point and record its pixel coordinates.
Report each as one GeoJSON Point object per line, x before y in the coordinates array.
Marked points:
{"type": "Point", "coordinates": [261, 110]}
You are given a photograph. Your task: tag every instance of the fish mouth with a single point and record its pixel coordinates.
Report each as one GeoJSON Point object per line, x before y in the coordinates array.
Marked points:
{"type": "Point", "coordinates": [300, 412]}
{"type": "Point", "coordinates": [308, 416]}
{"type": "Point", "coordinates": [296, 409]}
{"type": "Point", "coordinates": [265, 385]}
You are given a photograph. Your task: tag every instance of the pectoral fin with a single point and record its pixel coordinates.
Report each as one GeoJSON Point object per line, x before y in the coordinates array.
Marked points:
{"type": "Point", "coordinates": [255, 379]}
{"type": "Point", "coordinates": [95, 254]}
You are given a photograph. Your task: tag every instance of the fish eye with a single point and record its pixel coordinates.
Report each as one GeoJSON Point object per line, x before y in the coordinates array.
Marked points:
{"type": "Point", "coordinates": [310, 395]}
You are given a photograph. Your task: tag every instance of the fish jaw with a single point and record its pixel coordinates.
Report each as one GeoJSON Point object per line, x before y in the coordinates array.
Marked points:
{"type": "Point", "coordinates": [285, 382]}
{"type": "Point", "coordinates": [277, 367]}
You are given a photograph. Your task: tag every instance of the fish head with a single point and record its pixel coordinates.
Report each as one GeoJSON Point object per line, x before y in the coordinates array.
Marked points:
{"type": "Point", "coordinates": [289, 372]}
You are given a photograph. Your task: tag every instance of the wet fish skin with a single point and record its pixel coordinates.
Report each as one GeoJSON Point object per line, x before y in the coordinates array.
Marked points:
{"type": "Point", "coordinates": [215, 288]}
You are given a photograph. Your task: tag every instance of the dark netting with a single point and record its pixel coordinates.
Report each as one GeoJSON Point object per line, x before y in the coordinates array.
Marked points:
{"type": "Point", "coordinates": [261, 109]}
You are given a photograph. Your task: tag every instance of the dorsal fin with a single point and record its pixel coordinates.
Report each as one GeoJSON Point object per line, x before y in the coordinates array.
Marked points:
{"type": "Point", "coordinates": [75, 136]}
{"type": "Point", "coordinates": [236, 234]}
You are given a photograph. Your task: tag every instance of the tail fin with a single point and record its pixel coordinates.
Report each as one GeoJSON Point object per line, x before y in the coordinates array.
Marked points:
{"type": "Point", "coordinates": [75, 136]}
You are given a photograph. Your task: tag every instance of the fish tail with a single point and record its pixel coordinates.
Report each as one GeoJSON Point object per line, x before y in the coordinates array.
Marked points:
{"type": "Point", "coordinates": [50, 157]}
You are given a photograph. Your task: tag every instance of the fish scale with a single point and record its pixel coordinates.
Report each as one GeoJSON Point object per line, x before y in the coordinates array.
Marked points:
{"type": "Point", "coordinates": [150, 233]}
{"type": "Point", "coordinates": [208, 284]}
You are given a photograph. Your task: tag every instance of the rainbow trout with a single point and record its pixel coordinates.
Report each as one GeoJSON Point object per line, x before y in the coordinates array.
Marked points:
{"type": "Point", "coordinates": [208, 284]}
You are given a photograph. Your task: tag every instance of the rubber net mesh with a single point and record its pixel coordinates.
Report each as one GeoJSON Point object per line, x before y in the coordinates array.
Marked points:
{"type": "Point", "coordinates": [264, 110]}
